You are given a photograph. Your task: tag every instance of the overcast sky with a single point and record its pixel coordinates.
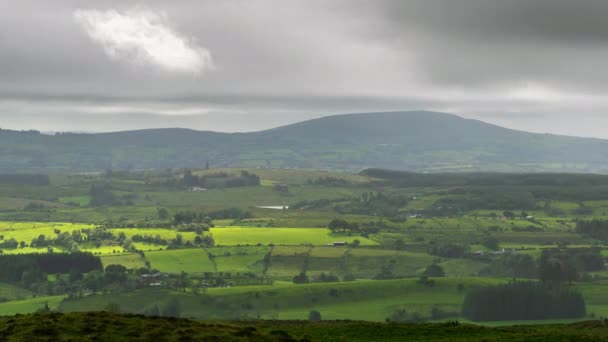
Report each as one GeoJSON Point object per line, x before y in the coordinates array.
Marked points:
{"type": "Point", "coordinates": [242, 65]}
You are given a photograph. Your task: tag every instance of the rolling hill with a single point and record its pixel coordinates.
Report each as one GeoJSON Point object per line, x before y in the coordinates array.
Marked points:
{"type": "Point", "coordinates": [415, 141]}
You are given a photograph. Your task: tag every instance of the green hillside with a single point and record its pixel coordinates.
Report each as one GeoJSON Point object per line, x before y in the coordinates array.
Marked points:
{"type": "Point", "coordinates": [417, 141]}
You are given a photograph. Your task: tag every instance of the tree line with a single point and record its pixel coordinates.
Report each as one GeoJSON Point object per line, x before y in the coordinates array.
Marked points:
{"type": "Point", "coordinates": [597, 229]}
{"type": "Point", "coordinates": [522, 301]}
{"type": "Point", "coordinates": [24, 179]}
{"type": "Point", "coordinates": [219, 180]}
{"type": "Point", "coordinates": [29, 267]}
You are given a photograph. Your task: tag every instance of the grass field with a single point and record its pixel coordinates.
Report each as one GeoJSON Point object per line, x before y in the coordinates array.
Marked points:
{"type": "Point", "coordinates": [29, 305]}
{"type": "Point", "coordinates": [128, 260]}
{"type": "Point", "coordinates": [11, 292]}
{"type": "Point", "coordinates": [239, 259]}
{"type": "Point", "coordinates": [27, 231]}
{"type": "Point", "coordinates": [194, 261]}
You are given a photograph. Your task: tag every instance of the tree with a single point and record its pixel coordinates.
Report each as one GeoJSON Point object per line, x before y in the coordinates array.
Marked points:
{"type": "Point", "coordinates": [424, 280]}
{"type": "Point", "coordinates": [434, 270]}
{"type": "Point", "coordinates": [163, 213]}
{"type": "Point", "coordinates": [508, 214]}
{"type": "Point", "coordinates": [490, 242]}
{"type": "Point", "coordinates": [115, 274]}
{"type": "Point", "coordinates": [183, 281]}
{"type": "Point", "coordinates": [314, 316]}
{"type": "Point", "coordinates": [399, 244]}
{"type": "Point", "coordinates": [301, 278]}
{"type": "Point", "coordinates": [556, 267]}
{"type": "Point", "coordinates": [338, 225]}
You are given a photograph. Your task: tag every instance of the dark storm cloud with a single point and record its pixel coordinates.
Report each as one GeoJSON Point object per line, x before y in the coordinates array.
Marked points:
{"type": "Point", "coordinates": [564, 21]}
{"type": "Point", "coordinates": [491, 43]}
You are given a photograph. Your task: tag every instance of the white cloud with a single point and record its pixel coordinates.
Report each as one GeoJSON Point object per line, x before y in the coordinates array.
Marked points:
{"type": "Point", "coordinates": [144, 36]}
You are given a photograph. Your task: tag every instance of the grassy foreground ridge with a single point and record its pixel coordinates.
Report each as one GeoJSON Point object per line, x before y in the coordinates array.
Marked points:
{"type": "Point", "coordinates": [103, 326]}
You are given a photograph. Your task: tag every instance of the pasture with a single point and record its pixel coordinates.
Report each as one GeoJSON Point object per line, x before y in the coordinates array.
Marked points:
{"type": "Point", "coordinates": [193, 261]}
{"type": "Point", "coordinates": [23, 306]}
{"type": "Point", "coordinates": [239, 259]}
{"type": "Point", "coordinates": [128, 260]}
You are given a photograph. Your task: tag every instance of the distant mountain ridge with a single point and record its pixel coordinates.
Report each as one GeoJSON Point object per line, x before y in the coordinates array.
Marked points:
{"type": "Point", "coordinates": [415, 141]}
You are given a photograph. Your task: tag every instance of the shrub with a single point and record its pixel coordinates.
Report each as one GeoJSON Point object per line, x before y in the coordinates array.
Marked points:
{"type": "Point", "coordinates": [314, 316]}
{"type": "Point", "coordinates": [434, 270]}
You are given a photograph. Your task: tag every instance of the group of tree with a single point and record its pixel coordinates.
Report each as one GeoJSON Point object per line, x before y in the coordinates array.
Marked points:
{"type": "Point", "coordinates": [597, 229]}
{"type": "Point", "coordinates": [207, 217]}
{"type": "Point", "coordinates": [189, 217]}
{"type": "Point", "coordinates": [67, 241]}
{"type": "Point", "coordinates": [301, 278]}
{"type": "Point", "coordinates": [512, 265]}
{"type": "Point", "coordinates": [385, 204]}
{"type": "Point", "coordinates": [102, 195]}
{"type": "Point", "coordinates": [339, 225]}
{"type": "Point", "coordinates": [447, 250]}
{"type": "Point", "coordinates": [330, 181]}
{"type": "Point", "coordinates": [490, 242]}
{"type": "Point", "coordinates": [64, 240]}
{"type": "Point", "coordinates": [522, 301]}
{"type": "Point", "coordinates": [37, 206]}
{"type": "Point", "coordinates": [199, 240]}
{"type": "Point", "coordinates": [434, 270]}
{"type": "Point", "coordinates": [325, 278]}
{"type": "Point", "coordinates": [219, 180]}
{"type": "Point", "coordinates": [557, 266]}
{"type": "Point", "coordinates": [322, 203]}
{"type": "Point", "coordinates": [24, 179]}
{"type": "Point", "coordinates": [554, 267]}
{"type": "Point", "coordinates": [494, 197]}
{"type": "Point", "coordinates": [31, 268]}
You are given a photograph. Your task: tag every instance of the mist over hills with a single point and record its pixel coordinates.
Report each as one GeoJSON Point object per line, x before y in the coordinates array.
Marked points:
{"type": "Point", "coordinates": [415, 141]}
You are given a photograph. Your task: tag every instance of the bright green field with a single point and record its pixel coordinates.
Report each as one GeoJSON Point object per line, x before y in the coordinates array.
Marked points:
{"type": "Point", "coordinates": [27, 231]}
{"type": "Point", "coordinates": [128, 260]}
{"type": "Point", "coordinates": [239, 259]}
{"type": "Point", "coordinates": [231, 236]}
{"type": "Point", "coordinates": [195, 261]}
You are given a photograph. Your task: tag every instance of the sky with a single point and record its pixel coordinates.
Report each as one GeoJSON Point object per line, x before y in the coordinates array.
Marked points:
{"type": "Point", "coordinates": [245, 65]}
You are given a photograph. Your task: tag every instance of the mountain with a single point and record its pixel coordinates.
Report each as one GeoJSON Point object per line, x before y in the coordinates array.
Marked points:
{"type": "Point", "coordinates": [416, 141]}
